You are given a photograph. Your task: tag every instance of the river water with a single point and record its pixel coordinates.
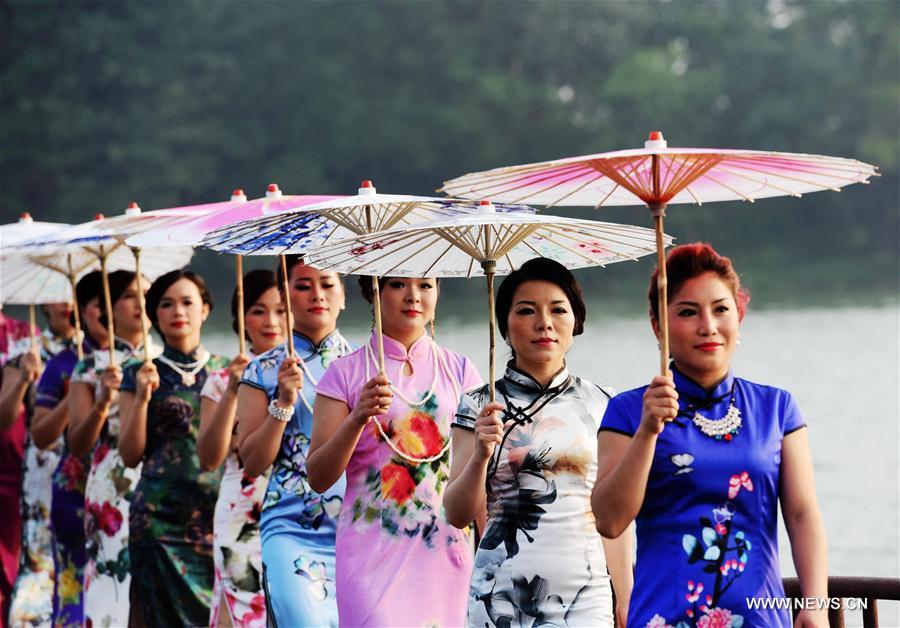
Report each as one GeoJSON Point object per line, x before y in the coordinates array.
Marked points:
{"type": "Point", "coordinates": [843, 367]}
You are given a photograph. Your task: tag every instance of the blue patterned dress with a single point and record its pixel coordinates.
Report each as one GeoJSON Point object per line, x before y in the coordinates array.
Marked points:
{"type": "Point", "coordinates": [298, 525]}
{"type": "Point", "coordinates": [707, 530]}
{"type": "Point", "coordinates": [67, 509]}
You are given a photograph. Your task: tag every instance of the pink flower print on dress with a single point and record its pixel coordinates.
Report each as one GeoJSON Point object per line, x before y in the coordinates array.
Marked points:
{"type": "Point", "coordinates": [737, 482]}
{"type": "Point", "coordinates": [715, 618]}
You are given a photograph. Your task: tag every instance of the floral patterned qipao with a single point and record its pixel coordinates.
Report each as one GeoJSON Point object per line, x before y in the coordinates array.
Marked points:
{"type": "Point", "coordinates": [32, 602]}
{"type": "Point", "coordinates": [399, 563]}
{"type": "Point", "coordinates": [67, 503]}
{"type": "Point", "coordinates": [12, 451]}
{"type": "Point", "coordinates": [108, 493]}
{"type": "Point", "coordinates": [541, 560]}
{"type": "Point", "coordinates": [707, 530]}
{"type": "Point", "coordinates": [237, 552]}
{"type": "Point", "coordinates": [170, 521]}
{"type": "Point", "coordinates": [297, 525]}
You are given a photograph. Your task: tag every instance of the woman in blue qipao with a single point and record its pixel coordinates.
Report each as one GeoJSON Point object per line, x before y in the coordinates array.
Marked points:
{"type": "Point", "coordinates": [297, 525]}
{"type": "Point", "coordinates": [701, 459]}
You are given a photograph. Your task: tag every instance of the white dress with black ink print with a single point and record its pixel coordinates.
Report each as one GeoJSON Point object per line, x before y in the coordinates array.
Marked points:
{"type": "Point", "coordinates": [541, 560]}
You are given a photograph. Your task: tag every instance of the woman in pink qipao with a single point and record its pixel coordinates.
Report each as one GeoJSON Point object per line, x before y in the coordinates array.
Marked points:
{"type": "Point", "coordinates": [398, 560]}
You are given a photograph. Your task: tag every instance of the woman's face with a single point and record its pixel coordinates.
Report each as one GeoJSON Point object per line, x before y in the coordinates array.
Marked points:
{"type": "Point", "coordinates": [127, 313]}
{"type": "Point", "coordinates": [540, 326]}
{"type": "Point", "coordinates": [703, 328]}
{"type": "Point", "coordinates": [90, 320]}
{"type": "Point", "coordinates": [264, 321]}
{"type": "Point", "coordinates": [58, 316]}
{"type": "Point", "coordinates": [181, 313]}
{"type": "Point", "coordinates": [407, 305]}
{"type": "Point", "coordinates": [317, 298]}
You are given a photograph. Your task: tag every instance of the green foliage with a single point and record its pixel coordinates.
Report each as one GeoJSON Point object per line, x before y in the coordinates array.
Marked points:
{"type": "Point", "coordinates": [179, 102]}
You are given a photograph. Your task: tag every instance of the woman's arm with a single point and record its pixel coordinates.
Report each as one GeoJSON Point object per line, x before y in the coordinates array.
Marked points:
{"type": "Point", "coordinates": [214, 439]}
{"type": "Point", "coordinates": [619, 560]}
{"type": "Point", "coordinates": [259, 434]}
{"type": "Point", "coordinates": [623, 463]}
{"type": "Point", "coordinates": [88, 414]}
{"type": "Point", "coordinates": [336, 430]}
{"type": "Point", "coordinates": [133, 415]}
{"type": "Point", "coordinates": [464, 495]}
{"type": "Point", "coordinates": [49, 423]}
{"type": "Point", "coordinates": [15, 385]}
{"type": "Point", "coordinates": [803, 521]}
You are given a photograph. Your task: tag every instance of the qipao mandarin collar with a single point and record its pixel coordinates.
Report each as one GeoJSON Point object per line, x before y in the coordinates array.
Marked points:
{"type": "Point", "coordinates": [395, 350]}
{"type": "Point", "coordinates": [523, 379]}
{"type": "Point", "coordinates": [183, 358]}
{"type": "Point", "coordinates": [689, 387]}
{"type": "Point", "coordinates": [305, 348]}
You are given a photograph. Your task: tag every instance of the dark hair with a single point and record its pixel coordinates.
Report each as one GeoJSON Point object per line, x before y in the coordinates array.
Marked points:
{"type": "Point", "coordinates": [687, 261]}
{"type": "Point", "coordinates": [289, 262]}
{"type": "Point", "coordinates": [365, 285]}
{"type": "Point", "coordinates": [540, 269]}
{"type": "Point", "coordinates": [88, 288]}
{"type": "Point", "coordinates": [164, 282]}
{"type": "Point", "coordinates": [119, 280]}
{"type": "Point", "coordinates": [256, 283]}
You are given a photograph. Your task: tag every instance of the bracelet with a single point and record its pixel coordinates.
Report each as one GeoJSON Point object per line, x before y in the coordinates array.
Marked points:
{"type": "Point", "coordinates": [280, 414]}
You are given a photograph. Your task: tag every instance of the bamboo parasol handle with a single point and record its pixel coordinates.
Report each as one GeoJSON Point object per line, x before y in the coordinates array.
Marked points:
{"type": "Point", "coordinates": [32, 325]}
{"type": "Point", "coordinates": [107, 303]}
{"type": "Point", "coordinates": [79, 349]}
{"type": "Point", "coordinates": [239, 291]}
{"type": "Point", "coordinates": [489, 267]}
{"type": "Point", "coordinates": [287, 307]}
{"type": "Point", "coordinates": [376, 304]}
{"type": "Point", "coordinates": [662, 285]}
{"type": "Point", "coordinates": [143, 305]}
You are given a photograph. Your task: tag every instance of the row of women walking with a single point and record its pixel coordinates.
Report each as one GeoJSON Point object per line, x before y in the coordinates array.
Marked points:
{"type": "Point", "coordinates": [307, 489]}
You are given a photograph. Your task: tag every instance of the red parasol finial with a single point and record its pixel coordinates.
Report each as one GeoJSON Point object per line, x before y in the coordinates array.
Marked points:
{"type": "Point", "coordinates": [655, 140]}
{"type": "Point", "coordinates": [98, 216]}
{"type": "Point", "coordinates": [238, 194]}
{"type": "Point", "coordinates": [133, 209]}
{"type": "Point", "coordinates": [366, 187]}
{"type": "Point", "coordinates": [25, 217]}
{"type": "Point", "coordinates": [272, 191]}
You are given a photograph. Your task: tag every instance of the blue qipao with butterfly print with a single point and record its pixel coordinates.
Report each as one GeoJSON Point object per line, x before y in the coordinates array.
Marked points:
{"type": "Point", "coordinates": [707, 530]}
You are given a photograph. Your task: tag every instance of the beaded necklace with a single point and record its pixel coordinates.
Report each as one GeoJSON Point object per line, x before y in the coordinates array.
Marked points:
{"type": "Point", "coordinates": [439, 364]}
{"type": "Point", "coordinates": [189, 372]}
{"type": "Point", "coordinates": [725, 428]}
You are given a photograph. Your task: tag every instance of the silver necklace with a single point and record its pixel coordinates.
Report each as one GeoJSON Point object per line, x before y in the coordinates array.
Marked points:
{"type": "Point", "coordinates": [187, 370]}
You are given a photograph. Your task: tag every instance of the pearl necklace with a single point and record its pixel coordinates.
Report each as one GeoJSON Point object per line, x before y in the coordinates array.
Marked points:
{"type": "Point", "coordinates": [189, 373]}
{"type": "Point", "coordinates": [725, 428]}
{"type": "Point", "coordinates": [434, 354]}
{"type": "Point", "coordinates": [439, 363]}
{"type": "Point", "coordinates": [343, 348]}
